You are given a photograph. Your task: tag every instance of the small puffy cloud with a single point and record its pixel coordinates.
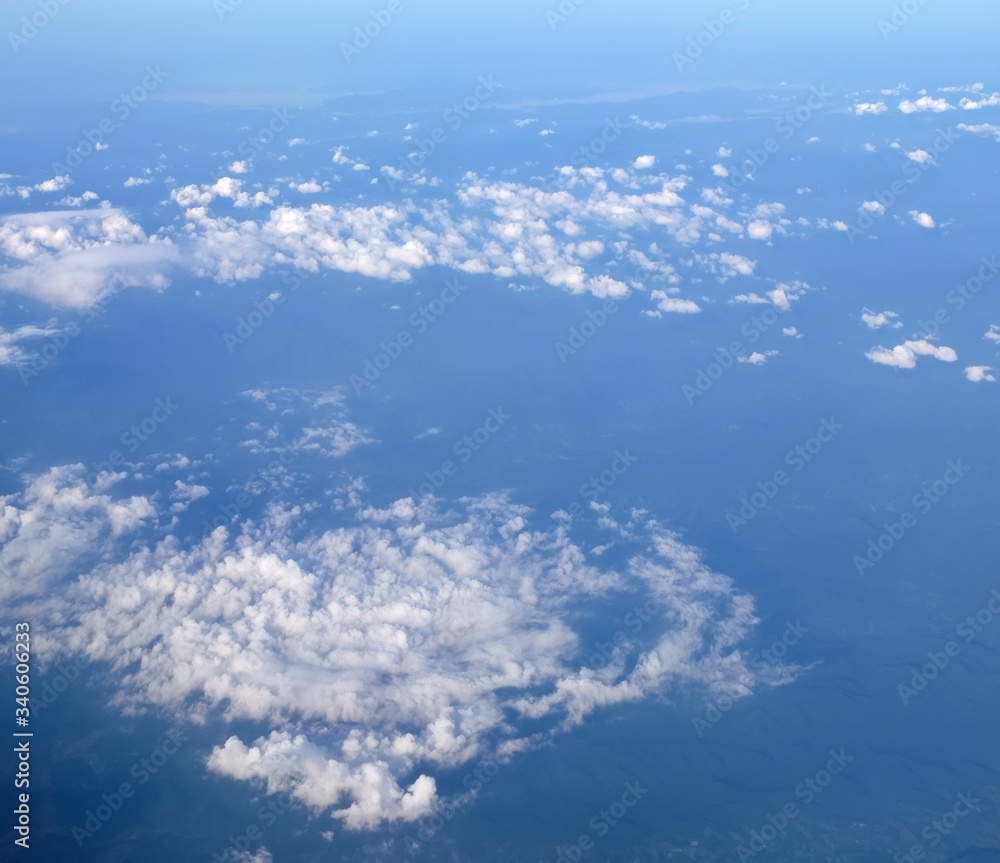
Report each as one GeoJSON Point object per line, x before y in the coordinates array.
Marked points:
{"type": "Point", "coordinates": [720, 170]}
{"type": "Point", "coordinates": [665, 303]}
{"type": "Point", "coordinates": [526, 122]}
{"type": "Point", "coordinates": [240, 167]}
{"type": "Point", "coordinates": [793, 332]}
{"type": "Point", "coordinates": [310, 187]}
{"type": "Point", "coordinates": [978, 374]}
{"type": "Point", "coordinates": [751, 298]}
{"type": "Point", "coordinates": [924, 103]}
{"type": "Point", "coordinates": [922, 157]}
{"type": "Point", "coordinates": [295, 142]}
{"type": "Point", "coordinates": [922, 219]}
{"type": "Point", "coordinates": [904, 356]}
{"type": "Point", "coordinates": [976, 104]}
{"type": "Point", "coordinates": [724, 152]}
{"type": "Point", "coordinates": [873, 207]}
{"type": "Point", "coordinates": [136, 181]}
{"type": "Point", "coordinates": [982, 129]}
{"type": "Point", "coordinates": [56, 184]}
{"type": "Point", "coordinates": [360, 166]}
{"type": "Point", "coordinates": [993, 334]}
{"type": "Point", "coordinates": [870, 108]}
{"type": "Point", "coordinates": [870, 148]}
{"type": "Point", "coordinates": [878, 320]}
{"type": "Point", "coordinates": [644, 162]}
{"type": "Point", "coordinates": [757, 358]}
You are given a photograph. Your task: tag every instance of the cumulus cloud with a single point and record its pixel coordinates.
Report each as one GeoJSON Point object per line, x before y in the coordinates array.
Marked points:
{"type": "Point", "coordinates": [11, 353]}
{"type": "Point", "coordinates": [665, 303]}
{"type": "Point", "coordinates": [924, 103]}
{"type": "Point", "coordinates": [880, 319]}
{"type": "Point", "coordinates": [923, 219]}
{"type": "Point", "coordinates": [644, 162]}
{"type": "Point", "coordinates": [982, 129]}
{"type": "Point", "coordinates": [978, 374]}
{"type": "Point", "coordinates": [904, 356]}
{"type": "Point", "coordinates": [375, 651]}
{"type": "Point", "coordinates": [870, 108]}
{"type": "Point", "coordinates": [993, 334]}
{"type": "Point", "coordinates": [720, 170]}
{"type": "Point", "coordinates": [757, 358]}
{"type": "Point", "coordinates": [873, 207]}
{"type": "Point", "coordinates": [922, 157]}
{"type": "Point", "coordinates": [72, 259]}
{"type": "Point", "coordinates": [985, 102]}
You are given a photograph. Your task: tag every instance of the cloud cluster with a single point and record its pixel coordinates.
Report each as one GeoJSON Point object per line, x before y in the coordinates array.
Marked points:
{"type": "Point", "coordinates": [72, 259]}
{"type": "Point", "coordinates": [372, 652]}
{"type": "Point", "coordinates": [904, 356]}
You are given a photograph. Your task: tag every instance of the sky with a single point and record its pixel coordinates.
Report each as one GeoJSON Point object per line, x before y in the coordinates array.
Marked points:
{"type": "Point", "coordinates": [525, 432]}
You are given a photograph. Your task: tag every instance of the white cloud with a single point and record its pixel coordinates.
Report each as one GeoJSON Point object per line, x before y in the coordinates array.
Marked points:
{"type": "Point", "coordinates": [73, 258]}
{"type": "Point", "coordinates": [665, 303]}
{"type": "Point", "coordinates": [904, 356]}
{"type": "Point", "coordinates": [881, 319]}
{"type": "Point", "coordinates": [720, 170]}
{"type": "Point", "coordinates": [760, 230]}
{"type": "Point", "coordinates": [10, 351]}
{"type": "Point", "coordinates": [724, 152]}
{"type": "Point", "coordinates": [873, 207]}
{"type": "Point", "coordinates": [137, 181]}
{"type": "Point", "coordinates": [920, 156]}
{"type": "Point", "coordinates": [993, 334]}
{"type": "Point", "coordinates": [922, 219]}
{"type": "Point", "coordinates": [240, 167]}
{"type": "Point", "coordinates": [757, 358]}
{"type": "Point", "coordinates": [978, 374]}
{"type": "Point", "coordinates": [976, 104]}
{"type": "Point", "coordinates": [870, 108]}
{"type": "Point", "coordinates": [792, 331]}
{"type": "Point", "coordinates": [415, 636]}
{"type": "Point", "coordinates": [526, 122]}
{"type": "Point", "coordinates": [983, 129]}
{"type": "Point", "coordinates": [924, 103]}
{"type": "Point", "coordinates": [644, 162]}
